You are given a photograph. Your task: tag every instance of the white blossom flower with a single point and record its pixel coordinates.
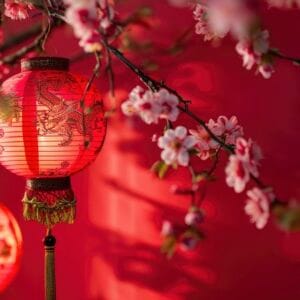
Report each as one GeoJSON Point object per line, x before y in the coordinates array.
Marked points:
{"type": "Point", "coordinates": [176, 145]}
{"type": "Point", "coordinates": [194, 217]}
{"type": "Point", "coordinates": [167, 228]}
{"type": "Point", "coordinates": [151, 106]}
{"type": "Point", "coordinates": [258, 206]}
{"type": "Point", "coordinates": [168, 105]}
{"type": "Point", "coordinates": [17, 10]}
{"type": "Point", "coordinates": [237, 175]}
{"type": "Point", "coordinates": [266, 70]}
{"type": "Point", "coordinates": [148, 108]}
{"type": "Point", "coordinates": [242, 164]}
{"type": "Point", "coordinates": [88, 19]}
{"type": "Point", "coordinates": [227, 129]}
{"type": "Point", "coordinates": [205, 144]}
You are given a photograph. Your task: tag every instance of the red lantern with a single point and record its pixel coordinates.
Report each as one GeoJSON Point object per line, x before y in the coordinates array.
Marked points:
{"type": "Point", "coordinates": [10, 247]}
{"type": "Point", "coordinates": [50, 128]}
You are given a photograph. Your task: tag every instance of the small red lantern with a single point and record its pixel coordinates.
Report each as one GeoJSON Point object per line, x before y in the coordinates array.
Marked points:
{"type": "Point", "coordinates": [10, 247]}
{"type": "Point", "coordinates": [50, 128]}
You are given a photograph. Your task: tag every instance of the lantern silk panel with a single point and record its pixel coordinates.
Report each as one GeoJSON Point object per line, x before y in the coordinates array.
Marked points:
{"type": "Point", "coordinates": [43, 131]}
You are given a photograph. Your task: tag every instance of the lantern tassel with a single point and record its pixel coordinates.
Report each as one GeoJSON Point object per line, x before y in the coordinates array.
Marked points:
{"type": "Point", "coordinates": [50, 284]}
{"type": "Point", "coordinates": [49, 201]}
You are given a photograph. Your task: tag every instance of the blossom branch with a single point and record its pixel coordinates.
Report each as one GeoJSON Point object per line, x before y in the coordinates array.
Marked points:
{"type": "Point", "coordinates": [155, 86]}
{"type": "Point", "coordinates": [278, 54]}
{"type": "Point", "coordinates": [38, 44]}
{"type": "Point", "coordinates": [22, 37]}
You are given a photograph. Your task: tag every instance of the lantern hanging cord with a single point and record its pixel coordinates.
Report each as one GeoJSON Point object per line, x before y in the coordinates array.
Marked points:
{"type": "Point", "coordinates": [49, 247]}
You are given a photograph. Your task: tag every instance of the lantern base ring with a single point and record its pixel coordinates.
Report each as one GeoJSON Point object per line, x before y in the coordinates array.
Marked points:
{"type": "Point", "coordinates": [49, 201]}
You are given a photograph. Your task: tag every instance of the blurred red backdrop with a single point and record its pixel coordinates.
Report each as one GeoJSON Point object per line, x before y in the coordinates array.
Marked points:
{"type": "Point", "coordinates": [112, 251]}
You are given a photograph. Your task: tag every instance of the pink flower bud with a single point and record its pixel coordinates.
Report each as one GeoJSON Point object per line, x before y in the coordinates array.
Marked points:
{"type": "Point", "coordinates": [194, 218]}
{"type": "Point", "coordinates": [167, 228]}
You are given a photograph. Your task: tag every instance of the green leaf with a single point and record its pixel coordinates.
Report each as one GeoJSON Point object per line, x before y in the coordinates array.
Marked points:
{"type": "Point", "coordinates": [145, 11]}
{"type": "Point", "coordinates": [176, 49]}
{"type": "Point", "coordinates": [200, 177]}
{"type": "Point", "coordinates": [88, 110]}
{"type": "Point", "coordinates": [9, 108]}
{"type": "Point", "coordinates": [168, 246]}
{"type": "Point", "coordinates": [287, 216]}
{"type": "Point", "coordinates": [160, 168]}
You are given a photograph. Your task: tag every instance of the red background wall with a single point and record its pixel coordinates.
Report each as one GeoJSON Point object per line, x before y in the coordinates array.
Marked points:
{"type": "Point", "coordinates": [112, 251]}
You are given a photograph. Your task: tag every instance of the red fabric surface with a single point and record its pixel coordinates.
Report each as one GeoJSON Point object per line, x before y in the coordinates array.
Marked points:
{"type": "Point", "coordinates": [112, 251]}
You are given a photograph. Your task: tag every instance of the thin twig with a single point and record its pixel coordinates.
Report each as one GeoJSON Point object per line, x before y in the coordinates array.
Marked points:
{"type": "Point", "coordinates": [21, 37]}
{"type": "Point", "coordinates": [155, 86]}
{"type": "Point", "coordinates": [38, 44]}
{"type": "Point", "coordinates": [92, 78]}
{"type": "Point", "coordinates": [110, 72]}
{"type": "Point", "coordinates": [285, 57]}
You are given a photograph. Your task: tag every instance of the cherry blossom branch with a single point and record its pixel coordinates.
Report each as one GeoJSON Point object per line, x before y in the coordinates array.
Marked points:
{"type": "Point", "coordinates": [155, 86]}
{"type": "Point", "coordinates": [22, 37]}
{"type": "Point", "coordinates": [278, 54]}
{"type": "Point", "coordinates": [92, 78]}
{"type": "Point", "coordinates": [38, 44]}
{"type": "Point", "coordinates": [95, 34]}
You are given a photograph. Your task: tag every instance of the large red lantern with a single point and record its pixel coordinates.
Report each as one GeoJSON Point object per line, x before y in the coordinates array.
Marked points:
{"type": "Point", "coordinates": [51, 126]}
{"type": "Point", "coordinates": [10, 247]}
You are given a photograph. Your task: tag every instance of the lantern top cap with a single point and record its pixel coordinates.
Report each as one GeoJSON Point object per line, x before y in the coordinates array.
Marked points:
{"type": "Point", "coordinates": [45, 63]}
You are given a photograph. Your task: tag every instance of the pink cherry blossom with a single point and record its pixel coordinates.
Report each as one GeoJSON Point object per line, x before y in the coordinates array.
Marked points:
{"type": "Point", "coordinates": [237, 174]}
{"type": "Point", "coordinates": [128, 107]}
{"type": "Point", "coordinates": [254, 51]}
{"type": "Point", "coordinates": [205, 144]}
{"type": "Point", "coordinates": [17, 9]}
{"type": "Point", "coordinates": [258, 206]}
{"type": "Point", "coordinates": [168, 104]}
{"type": "Point", "coordinates": [242, 164]}
{"type": "Point", "coordinates": [82, 16]}
{"type": "Point", "coordinates": [202, 27]}
{"type": "Point", "coordinates": [266, 70]}
{"type": "Point", "coordinates": [176, 145]}
{"type": "Point", "coordinates": [194, 217]}
{"type": "Point", "coordinates": [250, 153]}
{"type": "Point", "coordinates": [151, 106]}
{"type": "Point", "coordinates": [245, 49]}
{"type": "Point", "coordinates": [227, 129]}
{"type": "Point", "coordinates": [90, 20]}
{"type": "Point", "coordinates": [217, 18]}
{"type": "Point", "coordinates": [230, 16]}
{"type": "Point", "coordinates": [148, 108]}
{"type": "Point", "coordinates": [224, 128]}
